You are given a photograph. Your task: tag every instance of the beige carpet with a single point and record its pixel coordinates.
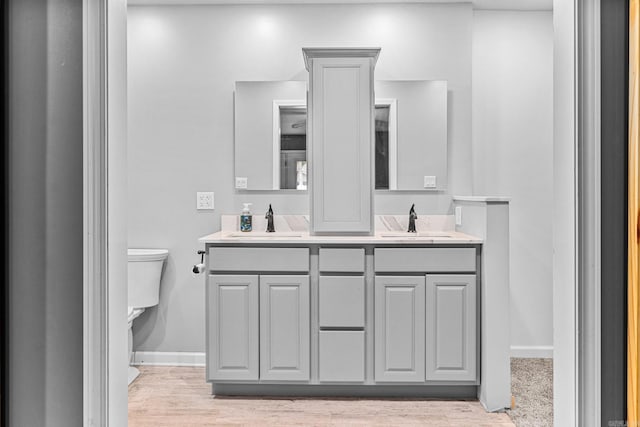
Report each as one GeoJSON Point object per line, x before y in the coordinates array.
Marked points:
{"type": "Point", "coordinates": [532, 388]}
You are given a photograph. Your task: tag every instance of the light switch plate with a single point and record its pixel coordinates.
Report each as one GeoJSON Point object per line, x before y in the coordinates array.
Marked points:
{"type": "Point", "coordinates": [241, 182]}
{"type": "Point", "coordinates": [458, 215]}
{"type": "Point", "coordinates": [429, 181]}
{"type": "Point", "coordinates": [204, 200]}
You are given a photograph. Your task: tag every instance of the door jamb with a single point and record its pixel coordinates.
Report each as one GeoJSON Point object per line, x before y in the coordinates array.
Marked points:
{"type": "Point", "coordinates": [96, 262]}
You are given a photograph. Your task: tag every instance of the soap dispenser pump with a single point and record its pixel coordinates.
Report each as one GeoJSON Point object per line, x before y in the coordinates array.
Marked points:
{"type": "Point", "coordinates": [246, 218]}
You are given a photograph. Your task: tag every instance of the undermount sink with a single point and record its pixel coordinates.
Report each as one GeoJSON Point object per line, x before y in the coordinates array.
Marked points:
{"type": "Point", "coordinates": [420, 234]}
{"type": "Point", "coordinates": [263, 235]}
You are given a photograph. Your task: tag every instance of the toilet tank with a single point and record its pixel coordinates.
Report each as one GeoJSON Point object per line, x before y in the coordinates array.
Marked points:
{"type": "Point", "coordinates": [143, 279]}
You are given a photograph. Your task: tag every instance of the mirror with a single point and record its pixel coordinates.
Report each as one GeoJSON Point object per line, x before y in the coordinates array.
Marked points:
{"type": "Point", "coordinates": [410, 131]}
{"type": "Point", "coordinates": [257, 122]}
{"type": "Point", "coordinates": [421, 154]}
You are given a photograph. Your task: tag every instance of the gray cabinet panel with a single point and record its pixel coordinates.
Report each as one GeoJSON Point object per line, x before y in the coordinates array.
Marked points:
{"type": "Point", "coordinates": [451, 327]}
{"type": "Point", "coordinates": [399, 328]}
{"type": "Point", "coordinates": [341, 357]}
{"type": "Point", "coordinates": [232, 352]}
{"type": "Point", "coordinates": [284, 328]}
{"type": "Point", "coordinates": [341, 134]}
{"type": "Point", "coordinates": [453, 260]}
{"type": "Point", "coordinates": [341, 301]}
{"type": "Point", "coordinates": [259, 259]}
{"type": "Point", "coordinates": [342, 260]}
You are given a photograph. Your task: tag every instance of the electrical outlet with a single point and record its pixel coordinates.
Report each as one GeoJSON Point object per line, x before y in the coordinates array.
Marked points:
{"type": "Point", "coordinates": [429, 181]}
{"type": "Point", "coordinates": [458, 215]}
{"type": "Point", "coordinates": [241, 182]}
{"type": "Point", "coordinates": [204, 200]}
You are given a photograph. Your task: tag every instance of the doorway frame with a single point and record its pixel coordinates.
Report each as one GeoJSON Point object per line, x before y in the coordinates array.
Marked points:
{"type": "Point", "coordinates": [104, 34]}
{"type": "Point", "coordinates": [104, 95]}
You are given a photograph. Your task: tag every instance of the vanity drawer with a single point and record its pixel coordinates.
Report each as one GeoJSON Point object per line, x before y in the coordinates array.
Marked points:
{"type": "Point", "coordinates": [341, 301]}
{"type": "Point", "coordinates": [341, 356]}
{"type": "Point", "coordinates": [424, 260]}
{"type": "Point", "coordinates": [342, 260]}
{"type": "Point", "coordinates": [259, 259]}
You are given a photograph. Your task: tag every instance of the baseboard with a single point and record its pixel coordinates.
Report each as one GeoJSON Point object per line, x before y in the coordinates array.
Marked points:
{"type": "Point", "coordinates": [532, 351]}
{"type": "Point", "coordinates": [168, 358]}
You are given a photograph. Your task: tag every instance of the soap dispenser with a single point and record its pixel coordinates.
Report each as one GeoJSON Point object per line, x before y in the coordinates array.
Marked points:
{"type": "Point", "coordinates": [246, 218]}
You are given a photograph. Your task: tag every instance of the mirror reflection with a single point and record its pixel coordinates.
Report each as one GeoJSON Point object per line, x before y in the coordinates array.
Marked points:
{"type": "Point", "coordinates": [292, 143]}
{"type": "Point", "coordinates": [382, 146]}
{"type": "Point", "coordinates": [293, 147]}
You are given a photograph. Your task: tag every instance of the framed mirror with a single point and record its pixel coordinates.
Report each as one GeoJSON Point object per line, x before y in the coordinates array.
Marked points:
{"type": "Point", "coordinates": [410, 135]}
{"type": "Point", "coordinates": [257, 116]}
{"type": "Point", "coordinates": [421, 132]}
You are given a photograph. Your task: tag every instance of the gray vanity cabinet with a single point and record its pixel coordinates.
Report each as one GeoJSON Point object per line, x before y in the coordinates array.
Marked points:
{"type": "Point", "coordinates": [329, 317]}
{"type": "Point", "coordinates": [284, 328]}
{"type": "Point", "coordinates": [451, 327]}
{"type": "Point", "coordinates": [259, 324]}
{"type": "Point", "coordinates": [399, 328]}
{"type": "Point", "coordinates": [233, 327]}
{"type": "Point", "coordinates": [340, 131]}
{"type": "Point", "coordinates": [425, 323]}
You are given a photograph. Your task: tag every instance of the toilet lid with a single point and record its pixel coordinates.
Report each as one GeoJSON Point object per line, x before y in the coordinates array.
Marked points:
{"type": "Point", "coordinates": [141, 255]}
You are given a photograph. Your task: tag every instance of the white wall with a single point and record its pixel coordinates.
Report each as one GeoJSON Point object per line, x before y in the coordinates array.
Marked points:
{"type": "Point", "coordinates": [182, 65]}
{"type": "Point", "coordinates": [513, 156]}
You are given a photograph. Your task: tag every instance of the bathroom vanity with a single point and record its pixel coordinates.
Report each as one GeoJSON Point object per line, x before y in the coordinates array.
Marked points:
{"type": "Point", "coordinates": [343, 301]}
{"type": "Point", "coordinates": [291, 313]}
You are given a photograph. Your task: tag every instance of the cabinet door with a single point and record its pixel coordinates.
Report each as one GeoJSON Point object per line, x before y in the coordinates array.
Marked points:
{"type": "Point", "coordinates": [232, 319]}
{"type": "Point", "coordinates": [451, 327]}
{"type": "Point", "coordinates": [399, 329]}
{"type": "Point", "coordinates": [284, 328]}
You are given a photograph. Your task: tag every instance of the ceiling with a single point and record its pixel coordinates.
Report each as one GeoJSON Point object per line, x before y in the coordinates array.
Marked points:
{"type": "Point", "coordinates": [477, 4]}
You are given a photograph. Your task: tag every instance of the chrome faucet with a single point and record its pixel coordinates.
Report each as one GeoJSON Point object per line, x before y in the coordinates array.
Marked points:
{"type": "Point", "coordinates": [269, 218]}
{"type": "Point", "coordinates": [412, 219]}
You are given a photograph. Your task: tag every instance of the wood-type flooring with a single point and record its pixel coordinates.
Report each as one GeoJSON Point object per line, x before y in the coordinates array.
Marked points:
{"type": "Point", "coordinates": [179, 396]}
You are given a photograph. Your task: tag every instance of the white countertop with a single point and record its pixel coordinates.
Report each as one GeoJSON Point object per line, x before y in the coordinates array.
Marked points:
{"type": "Point", "coordinates": [303, 237]}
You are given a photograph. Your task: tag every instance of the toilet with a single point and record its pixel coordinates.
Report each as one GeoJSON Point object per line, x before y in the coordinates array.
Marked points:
{"type": "Point", "coordinates": [144, 271]}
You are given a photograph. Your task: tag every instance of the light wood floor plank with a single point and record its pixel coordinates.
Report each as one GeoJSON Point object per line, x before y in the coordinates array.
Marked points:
{"type": "Point", "coordinates": [179, 396]}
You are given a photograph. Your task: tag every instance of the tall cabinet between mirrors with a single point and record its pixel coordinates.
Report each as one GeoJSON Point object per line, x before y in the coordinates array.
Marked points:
{"type": "Point", "coordinates": [340, 132]}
